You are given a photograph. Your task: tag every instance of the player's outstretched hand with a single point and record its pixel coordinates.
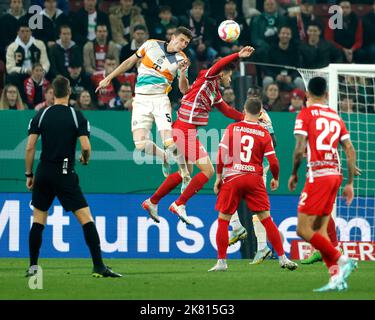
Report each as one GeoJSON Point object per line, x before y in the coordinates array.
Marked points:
{"type": "Point", "coordinates": [183, 65]}
{"type": "Point", "coordinates": [348, 194]}
{"type": "Point", "coordinates": [217, 186]}
{"type": "Point", "coordinates": [292, 183]}
{"type": "Point", "coordinates": [246, 52]}
{"type": "Point", "coordinates": [274, 184]}
{"type": "Point", "coordinates": [357, 171]}
{"type": "Point", "coordinates": [30, 183]}
{"type": "Point", "coordinates": [102, 84]}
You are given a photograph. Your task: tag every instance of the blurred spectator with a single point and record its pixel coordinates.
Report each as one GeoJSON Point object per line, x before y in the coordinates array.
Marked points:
{"type": "Point", "coordinates": [283, 53]}
{"type": "Point", "coordinates": [11, 99]}
{"type": "Point", "coordinates": [79, 81]}
{"type": "Point", "coordinates": [123, 18]}
{"type": "Point", "coordinates": [49, 99]}
{"type": "Point", "coordinates": [271, 98]}
{"type": "Point", "coordinates": [254, 92]}
{"type": "Point", "coordinates": [231, 13]}
{"type": "Point", "coordinates": [369, 35]}
{"type": "Point", "coordinates": [297, 100]}
{"type": "Point", "coordinates": [35, 87]}
{"type": "Point", "coordinates": [300, 20]}
{"type": "Point", "coordinates": [263, 28]}
{"type": "Point", "coordinates": [349, 38]}
{"type": "Point", "coordinates": [95, 52]}
{"type": "Point", "coordinates": [317, 52]}
{"type": "Point", "coordinates": [229, 97]}
{"type": "Point", "coordinates": [170, 31]}
{"type": "Point", "coordinates": [9, 25]}
{"type": "Point", "coordinates": [53, 18]}
{"type": "Point", "coordinates": [249, 10]}
{"type": "Point", "coordinates": [22, 54]}
{"type": "Point", "coordinates": [64, 52]}
{"type": "Point", "coordinates": [139, 37]}
{"type": "Point", "coordinates": [204, 33]}
{"type": "Point", "coordinates": [61, 4]}
{"type": "Point", "coordinates": [166, 19]}
{"type": "Point", "coordinates": [85, 20]}
{"type": "Point", "coordinates": [123, 100]}
{"type": "Point", "coordinates": [346, 105]}
{"type": "Point", "coordinates": [85, 102]}
{"type": "Point", "coordinates": [107, 94]}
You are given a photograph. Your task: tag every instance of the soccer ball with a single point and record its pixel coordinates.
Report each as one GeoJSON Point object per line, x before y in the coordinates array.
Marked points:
{"type": "Point", "coordinates": [229, 31]}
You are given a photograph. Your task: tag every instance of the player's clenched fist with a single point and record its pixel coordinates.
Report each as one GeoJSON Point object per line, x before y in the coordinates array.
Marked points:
{"type": "Point", "coordinates": [102, 84]}
{"type": "Point", "coordinates": [246, 52]}
{"type": "Point", "coordinates": [348, 194]}
{"type": "Point", "coordinates": [217, 186]}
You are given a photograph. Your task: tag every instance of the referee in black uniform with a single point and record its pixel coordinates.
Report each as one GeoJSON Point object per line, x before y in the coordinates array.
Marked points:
{"type": "Point", "coordinates": [60, 126]}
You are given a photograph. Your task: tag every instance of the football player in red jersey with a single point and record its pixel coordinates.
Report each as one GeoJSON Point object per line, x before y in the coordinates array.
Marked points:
{"type": "Point", "coordinates": [240, 176]}
{"type": "Point", "coordinates": [198, 101]}
{"type": "Point", "coordinates": [321, 129]}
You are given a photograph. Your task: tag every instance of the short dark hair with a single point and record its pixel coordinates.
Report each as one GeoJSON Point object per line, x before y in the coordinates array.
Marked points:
{"type": "Point", "coordinates": [284, 26]}
{"type": "Point", "coordinates": [197, 3]}
{"type": "Point", "coordinates": [101, 25]}
{"type": "Point", "coordinates": [164, 9]}
{"type": "Point", "coordinates": [253, 105]}
{"type": "Point", "coordinates": [185, 31]}
{"type": "Point", "coordinates": [35, 65]}
{"type": "Point", "coordinates": [230, 67]}
{"type": "Point", "coordinates": [314, 24]}
{"type": "Point", "coordinates": [110, 57]}
{"type": "Point", "coordinates": [61, 86]}
{"type": "Point", "coordinates": [139, 27]}
{"type": "Point", "coordinates": [317, 86]}
{"type": "Point", "coordinates": [64, 26]}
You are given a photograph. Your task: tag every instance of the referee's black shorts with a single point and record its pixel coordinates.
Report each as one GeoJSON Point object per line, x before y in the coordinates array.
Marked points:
{"type": "Point", "coordinates": [50, 182]}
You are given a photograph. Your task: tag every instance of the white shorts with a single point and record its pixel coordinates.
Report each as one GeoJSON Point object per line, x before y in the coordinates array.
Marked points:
{"type": "Point", "coordinates": [150, 108]}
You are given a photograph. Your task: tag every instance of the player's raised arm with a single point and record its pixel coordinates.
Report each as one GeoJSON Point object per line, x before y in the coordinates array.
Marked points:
{"type": "Point", "coordinates": [122, 68]}
{"type": "Point", "coordinates": [219, 65]}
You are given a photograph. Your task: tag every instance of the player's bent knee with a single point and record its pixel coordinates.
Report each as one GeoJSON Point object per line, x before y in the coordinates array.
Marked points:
{"type": "Point", "coordinates": [225, 216]}
{"type": "Point", "coordinates": [140, 145]}
{"type": "Point", "coordinates": [84, 215]}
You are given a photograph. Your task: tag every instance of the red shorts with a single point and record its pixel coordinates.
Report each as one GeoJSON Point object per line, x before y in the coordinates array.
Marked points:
{"type": "Point", "coordinates": [185, 137]}
{"type": "Point", "coordinates": [249, 187]}
{"type": "Point", "coordinates": [318, 197]}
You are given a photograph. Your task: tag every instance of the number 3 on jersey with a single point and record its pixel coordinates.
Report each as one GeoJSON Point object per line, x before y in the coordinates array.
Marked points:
{"type": "Point", "coordinates": [247, 144]}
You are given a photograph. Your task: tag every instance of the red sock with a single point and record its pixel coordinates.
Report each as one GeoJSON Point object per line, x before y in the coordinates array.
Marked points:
{"type": "Point", "coordinates": [222, 239]}
{"type": "Point", "coordinates": [171, 182]}
{"type": "Point", "coordinates": [331, 230]}
{"type": "Point", "coordinates": [328, 251]}
{"type": "Point", "coordinates": [273, 235]}
{"type": "Point", "coordinates": [333, 268]}
{"type": "Point", "coordinates": [197, 183]}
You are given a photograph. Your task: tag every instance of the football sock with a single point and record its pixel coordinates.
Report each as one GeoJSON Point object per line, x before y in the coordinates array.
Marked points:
{"type": "Point", "coordinates": [331, 230]}
{"type": "Point", "coordinates": [332, 267]}
{"type": "Point", "coordinates": [196, 184]}
{"type": "Point", "coordinates": [93, 242]}
{"type": "Point", "coordinates": [171, 182]}
{"type": "Point", "coordinates": [260, 233]}
{"type": "Point", "coordinates": [235, 222]}
{"type": "Point", "coordinates": [222, 239]}
{"type": "Point", "coordinates": [328, 251]}
{"type": "Point", "coordinates": [35, 242]}
{"type": "Point", "coordinates": [273, 235]}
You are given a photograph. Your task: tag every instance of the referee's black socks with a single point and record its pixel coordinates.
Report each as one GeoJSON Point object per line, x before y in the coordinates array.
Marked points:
{"type": "Point", "coordinates": [93, 242]}
{"type": "Point", "coordinates": [35, 242]}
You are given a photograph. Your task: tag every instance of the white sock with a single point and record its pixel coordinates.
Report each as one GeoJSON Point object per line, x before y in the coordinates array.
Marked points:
{"type": "Point", "coordinates": [235, 222]}
{"type": "Point", "coordinates": [342, 260]}
{"type": "Point", "coordinates": [283, 257]}
{"type": "Point", "coordinates": [260, 233]}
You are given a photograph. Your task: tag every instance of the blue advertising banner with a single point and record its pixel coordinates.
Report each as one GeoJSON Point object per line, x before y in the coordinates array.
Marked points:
{"type": "Point", "coordinates": [126, 231]}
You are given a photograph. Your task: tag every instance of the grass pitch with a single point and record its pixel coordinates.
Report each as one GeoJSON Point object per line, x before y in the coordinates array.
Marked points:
{"type": "Point", "coordinates": [179, 279]}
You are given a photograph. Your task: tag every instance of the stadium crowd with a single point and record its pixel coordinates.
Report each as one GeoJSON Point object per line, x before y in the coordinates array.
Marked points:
{"type": "Point", "coordinates": [86, 40]}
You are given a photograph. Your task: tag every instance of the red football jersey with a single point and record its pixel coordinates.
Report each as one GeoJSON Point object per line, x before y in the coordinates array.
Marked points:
{"type": "Point", "coordinates": [197, 102]}
{"type": "Point", "coordinates": [243, 147]}
{"type": "Point", "coordinates": [324, 129]}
